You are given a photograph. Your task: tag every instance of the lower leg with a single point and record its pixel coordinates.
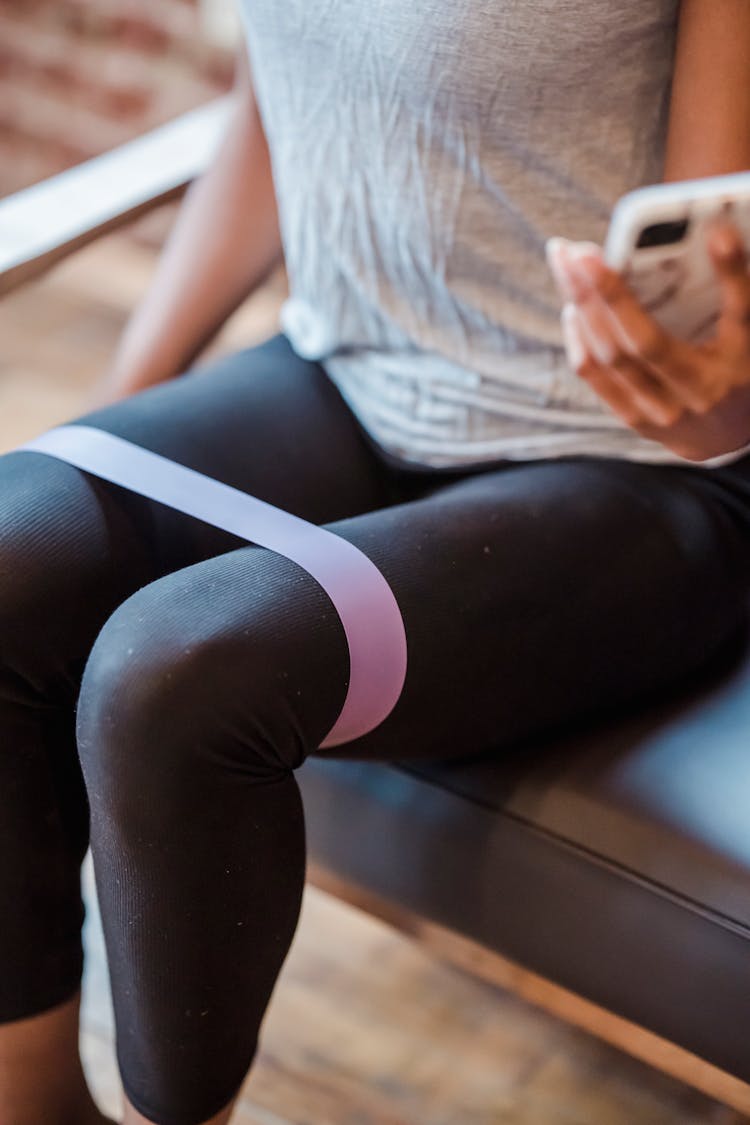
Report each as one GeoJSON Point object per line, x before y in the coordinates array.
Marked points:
{"type": "Point", "coordinates": [197, 824]}
{"type": "Point", "coordinates": [185, 1049]}
{"type": "Point", "coordinates": [41, 1077]}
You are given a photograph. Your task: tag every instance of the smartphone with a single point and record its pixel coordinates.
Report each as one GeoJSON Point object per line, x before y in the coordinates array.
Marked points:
{"type": "Point", "coordinates": [657, 241]}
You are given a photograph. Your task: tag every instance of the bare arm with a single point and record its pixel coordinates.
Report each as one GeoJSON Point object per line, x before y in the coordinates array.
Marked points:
{"type": "Point", "coordinates": [225, 241]}
{"type": "Point", "coordinates": [709, 117]}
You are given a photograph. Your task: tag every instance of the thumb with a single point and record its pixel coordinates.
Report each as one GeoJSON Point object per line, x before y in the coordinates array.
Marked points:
{"type": "Point", "coordinates": [730, 262]}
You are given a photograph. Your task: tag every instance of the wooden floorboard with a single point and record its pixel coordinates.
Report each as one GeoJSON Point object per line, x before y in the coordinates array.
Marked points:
{"type": "Point", "coordinates": [365, 1027]}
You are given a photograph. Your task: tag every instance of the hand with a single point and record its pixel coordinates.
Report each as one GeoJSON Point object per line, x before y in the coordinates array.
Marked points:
{"type": "Point", "coordinates": [694, 399]}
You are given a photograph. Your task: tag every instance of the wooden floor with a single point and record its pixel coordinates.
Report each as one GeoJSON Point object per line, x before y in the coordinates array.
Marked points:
{"type": "Point", "coordinates": [364, 1027]}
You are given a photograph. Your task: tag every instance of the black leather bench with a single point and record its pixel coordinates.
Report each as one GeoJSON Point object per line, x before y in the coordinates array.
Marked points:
{"type": "Point", "coordinates": [613, 860]}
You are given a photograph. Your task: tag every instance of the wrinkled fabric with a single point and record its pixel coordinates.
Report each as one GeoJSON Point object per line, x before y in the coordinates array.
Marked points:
{"type": "Point", "coordinates": [422, 155]}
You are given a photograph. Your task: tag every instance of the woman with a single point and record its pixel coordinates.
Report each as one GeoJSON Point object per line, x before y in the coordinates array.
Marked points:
{"type": "Point", "coordinates": [562, 536]}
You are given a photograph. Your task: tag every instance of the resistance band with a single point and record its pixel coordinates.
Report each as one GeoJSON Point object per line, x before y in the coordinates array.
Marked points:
{"type": "Point", "coordinates": [363, 599]}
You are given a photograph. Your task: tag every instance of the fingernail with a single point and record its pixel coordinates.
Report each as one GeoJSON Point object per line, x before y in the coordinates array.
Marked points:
{"type": "Point", "coordinates": [572, 336]}
{"type": "Point", "coordinates": [551, 250]}
{"type": "Point", "coordinates": [555, 253]}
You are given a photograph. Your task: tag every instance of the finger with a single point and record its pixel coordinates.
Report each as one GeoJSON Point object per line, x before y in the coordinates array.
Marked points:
{"type": "Point", "coordinates": [587, 367]}
{"type": "Point", "coordinates": [652, 401]}
{"type": "Point", "coordinates": [556, 251]}
{"type": "Point", "coordinates": [670, 361]}
{"type": "Point", "coordinates": [729, 260]}
{"type": "Point", "coordinates": [600, 325]}
{"type": "Point", "coordinates": [656, 401]}
{"type": "Point", "coordinates": [553, 254]}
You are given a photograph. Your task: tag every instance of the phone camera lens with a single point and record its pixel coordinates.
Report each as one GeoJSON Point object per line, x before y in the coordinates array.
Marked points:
{"type": "Point", "coordinates": [663, 234]}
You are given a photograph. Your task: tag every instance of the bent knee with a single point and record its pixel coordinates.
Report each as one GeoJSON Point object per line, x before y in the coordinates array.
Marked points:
{"type": "Point", "coordinates": [217, 666]}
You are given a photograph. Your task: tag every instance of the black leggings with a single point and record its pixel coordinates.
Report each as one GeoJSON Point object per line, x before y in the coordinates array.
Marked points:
{"type": "Point", "coordinates": [190, 673]}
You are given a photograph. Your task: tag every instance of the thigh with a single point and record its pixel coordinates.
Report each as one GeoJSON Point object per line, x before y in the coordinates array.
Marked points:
{"type": "Point", "coordinates": [531, 596]}
{"type": "Point", "coordinates": [72, 547]}
{"type": "Point", "coordinates": [263, 420]}
{"type": "Point", "coordinates": [544, 592]}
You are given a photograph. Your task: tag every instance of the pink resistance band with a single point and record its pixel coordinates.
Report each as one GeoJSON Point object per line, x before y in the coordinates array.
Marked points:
{"type": "Point", "coordinates": [363, 599]}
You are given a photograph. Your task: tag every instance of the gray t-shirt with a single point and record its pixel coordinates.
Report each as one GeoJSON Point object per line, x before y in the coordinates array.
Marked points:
{"type": "Point", "coordinates": [423, 151]}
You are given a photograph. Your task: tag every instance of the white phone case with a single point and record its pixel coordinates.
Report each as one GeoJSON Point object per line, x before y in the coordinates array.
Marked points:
{"type": "Point", "coordinates": [676, 282]}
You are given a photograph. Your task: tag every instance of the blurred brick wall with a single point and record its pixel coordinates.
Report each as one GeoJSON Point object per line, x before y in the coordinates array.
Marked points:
{"type": "Point", "coordinates": [78, 77]}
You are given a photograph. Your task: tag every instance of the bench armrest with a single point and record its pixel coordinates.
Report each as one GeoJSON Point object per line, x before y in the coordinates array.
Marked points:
{"type": "Point", "coordinates": [42, 224]}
